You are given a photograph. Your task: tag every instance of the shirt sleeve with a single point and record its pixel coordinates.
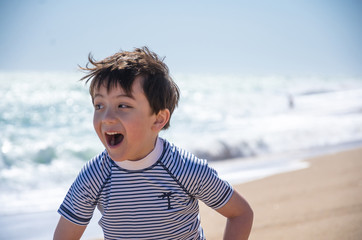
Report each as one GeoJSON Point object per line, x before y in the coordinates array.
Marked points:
{"type": "Point", "coordinates": [212, 190]}
{"type": "Point", "coordinates": [82, 197]}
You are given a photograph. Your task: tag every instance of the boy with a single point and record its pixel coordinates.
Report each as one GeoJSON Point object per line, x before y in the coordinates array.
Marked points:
{"type": "Point", "coordinates": [144, 186]}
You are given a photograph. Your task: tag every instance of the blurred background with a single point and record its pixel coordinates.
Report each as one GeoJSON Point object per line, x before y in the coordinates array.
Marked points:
{"type": "Point", "coordinates": [257, 78]}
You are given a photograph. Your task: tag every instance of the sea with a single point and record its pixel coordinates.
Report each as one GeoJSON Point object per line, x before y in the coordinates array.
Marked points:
{"type": "Point", "coordinates": [248, 127]}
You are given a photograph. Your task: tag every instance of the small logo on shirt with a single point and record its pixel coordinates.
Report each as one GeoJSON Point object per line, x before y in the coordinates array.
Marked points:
{"type": "Point", "coordinates": [167, 195]}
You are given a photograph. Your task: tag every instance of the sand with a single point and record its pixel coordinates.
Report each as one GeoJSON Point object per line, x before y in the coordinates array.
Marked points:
{"type": "Point", "coordinates": [323, 201]}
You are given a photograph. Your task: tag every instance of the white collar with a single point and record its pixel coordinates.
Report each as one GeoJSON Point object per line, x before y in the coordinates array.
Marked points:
{"type": "Point", "coordinates": [145, 162]}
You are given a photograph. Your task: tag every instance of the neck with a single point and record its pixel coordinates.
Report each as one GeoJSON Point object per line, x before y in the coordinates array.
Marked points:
{"type": "Point", "coordinates": [145, 162]}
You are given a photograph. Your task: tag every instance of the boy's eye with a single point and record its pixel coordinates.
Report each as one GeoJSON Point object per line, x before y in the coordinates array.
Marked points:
{"type": "Point", "coordinates": [123, 106]}
{"type": "Point", "coordinates": [98, 106]}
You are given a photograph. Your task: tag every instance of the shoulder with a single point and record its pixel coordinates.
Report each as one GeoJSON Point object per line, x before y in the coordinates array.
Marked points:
{"type": "Point", "coordinates": [174, 155]}
{"type": "Point", "coordinates": [102, 162]}
{"type": "Point", "coordinates": [185, 166]}
{"type": "Point", "coordinates": [97, 170]}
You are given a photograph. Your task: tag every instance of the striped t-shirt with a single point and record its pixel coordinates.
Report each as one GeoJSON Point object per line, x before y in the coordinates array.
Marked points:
{"type": "Point", "coordinates": [158, 202]}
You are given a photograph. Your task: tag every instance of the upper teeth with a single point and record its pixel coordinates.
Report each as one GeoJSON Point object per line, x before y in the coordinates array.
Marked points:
{"type": "Point", "coordinates": [112, 133]}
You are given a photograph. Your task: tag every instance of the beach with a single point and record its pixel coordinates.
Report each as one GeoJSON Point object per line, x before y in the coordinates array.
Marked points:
{"type": "Point", "coordinates": [323, 201]}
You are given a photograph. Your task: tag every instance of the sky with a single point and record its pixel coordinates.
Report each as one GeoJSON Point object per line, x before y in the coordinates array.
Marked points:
{"type": "Point", "coordinates": [261, 37]}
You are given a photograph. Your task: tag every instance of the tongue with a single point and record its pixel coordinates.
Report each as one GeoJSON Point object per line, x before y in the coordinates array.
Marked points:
{"type": "Point", "coordinates": [116, 139]}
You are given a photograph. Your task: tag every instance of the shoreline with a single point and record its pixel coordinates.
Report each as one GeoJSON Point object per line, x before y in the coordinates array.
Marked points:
{"type": "Point", "coordinates": [323, 201]}
{"type": "Point", "coordinates": [244, 170]}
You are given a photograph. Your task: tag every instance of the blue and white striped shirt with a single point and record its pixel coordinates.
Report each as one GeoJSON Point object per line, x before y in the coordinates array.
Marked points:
{"type": "Point", "coordinates": [158, 202]}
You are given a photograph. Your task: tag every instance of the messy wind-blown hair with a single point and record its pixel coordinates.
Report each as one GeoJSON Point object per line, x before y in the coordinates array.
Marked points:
{"type": "Point", "coordinates": [122, 68]}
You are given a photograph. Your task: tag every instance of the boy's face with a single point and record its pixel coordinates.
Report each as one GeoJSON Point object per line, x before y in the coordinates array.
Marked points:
{"type": "Point", "coordinates": [125, 123]}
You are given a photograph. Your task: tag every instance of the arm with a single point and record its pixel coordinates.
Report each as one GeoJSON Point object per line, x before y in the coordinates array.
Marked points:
{"type": "Point", "coordinates": [239, 218]}
{"type": "Point", "coordinates": [66, 230]}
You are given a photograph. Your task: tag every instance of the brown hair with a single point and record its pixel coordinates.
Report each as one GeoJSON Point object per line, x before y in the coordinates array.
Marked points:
{"type": "Point", "coordinates": [123, 67]}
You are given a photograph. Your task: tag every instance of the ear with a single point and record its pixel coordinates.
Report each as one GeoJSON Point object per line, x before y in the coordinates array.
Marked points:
{"type": "Point", "coordinates": [162, 117]}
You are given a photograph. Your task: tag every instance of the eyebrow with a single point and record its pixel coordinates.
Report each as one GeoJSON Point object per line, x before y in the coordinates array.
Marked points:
{"type": "Point", "coordinates": [118, 96]}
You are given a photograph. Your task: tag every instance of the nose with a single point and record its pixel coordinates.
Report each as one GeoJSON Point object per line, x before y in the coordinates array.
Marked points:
{"type": "Point", "coordinates": [109, 117]}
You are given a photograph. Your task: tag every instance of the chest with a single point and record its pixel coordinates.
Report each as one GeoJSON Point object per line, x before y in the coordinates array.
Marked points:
{"type": "Point", "coordinates": [150, 192]}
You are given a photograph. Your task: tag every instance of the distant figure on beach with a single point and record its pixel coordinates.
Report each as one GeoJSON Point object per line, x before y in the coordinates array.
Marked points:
{"type": "Point", "coordinates": [290, 101]}
{"type": "Point", "coordinates": [144, 186]}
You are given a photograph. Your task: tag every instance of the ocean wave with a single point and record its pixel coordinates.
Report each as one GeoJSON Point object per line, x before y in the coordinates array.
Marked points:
{"type": "Point", "coordinates": [222, 150]}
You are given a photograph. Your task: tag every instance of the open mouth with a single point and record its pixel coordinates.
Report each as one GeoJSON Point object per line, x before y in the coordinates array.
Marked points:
{"type": "Point", "coordinates": [114, 138]}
